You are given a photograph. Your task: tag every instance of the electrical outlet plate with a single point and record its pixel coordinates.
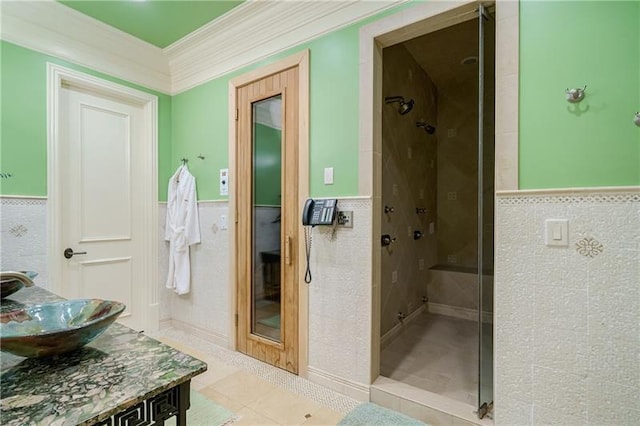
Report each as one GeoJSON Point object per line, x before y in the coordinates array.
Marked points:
{"type": "Point", "coordinates": [345, 219]}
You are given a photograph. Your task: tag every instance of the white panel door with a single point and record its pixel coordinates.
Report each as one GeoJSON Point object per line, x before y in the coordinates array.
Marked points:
{"type": "Point", "coordinates": [102, 207]}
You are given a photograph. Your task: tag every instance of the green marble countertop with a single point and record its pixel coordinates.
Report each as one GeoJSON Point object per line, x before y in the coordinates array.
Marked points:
{"type": "Point", "coordinates": [114, 372]}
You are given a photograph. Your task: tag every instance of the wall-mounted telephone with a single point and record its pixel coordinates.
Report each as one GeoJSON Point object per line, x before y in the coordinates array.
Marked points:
{"type": "Point", "coordinates": [316, 212]}
{"type": "Point", "coordinates": [319, 212]}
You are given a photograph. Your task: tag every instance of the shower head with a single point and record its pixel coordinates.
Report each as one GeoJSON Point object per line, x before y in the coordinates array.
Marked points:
{"type": "Point", "coordinates": [427, 127]}
{"type": "Point", "coordinates": [405, 106]}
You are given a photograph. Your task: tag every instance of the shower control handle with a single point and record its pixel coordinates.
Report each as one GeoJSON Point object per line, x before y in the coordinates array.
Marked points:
{"type": "Point", "coordinates": [386, 240]}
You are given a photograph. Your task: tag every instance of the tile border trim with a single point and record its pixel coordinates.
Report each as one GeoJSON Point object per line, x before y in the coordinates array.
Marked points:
{"type": "Point", "coordinates": [622, 194]}
{"type": "Point", "coordinates": [17, 200]}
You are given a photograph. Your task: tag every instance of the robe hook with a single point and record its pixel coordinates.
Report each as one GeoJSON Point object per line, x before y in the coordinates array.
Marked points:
{"type": "Point", "coordinates": [575, 95]}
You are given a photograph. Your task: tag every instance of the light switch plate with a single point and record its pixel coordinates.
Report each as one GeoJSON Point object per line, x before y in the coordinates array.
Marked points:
{"type": "Point", "coordinates": [556, 232]}
{"type": "Point", "coordinates": [328, 175]}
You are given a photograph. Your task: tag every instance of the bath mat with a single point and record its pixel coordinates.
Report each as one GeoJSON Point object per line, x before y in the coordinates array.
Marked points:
{"type": "Point", "coordinates": [375, 415]}
{"type": "Point", "coordinates": [204, 411]}
{"type": "Point", "coordinates": [273, 322]}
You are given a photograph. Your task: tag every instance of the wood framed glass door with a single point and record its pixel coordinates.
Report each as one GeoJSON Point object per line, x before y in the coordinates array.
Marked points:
{"type": "Point", "coordinates": [267, 219]}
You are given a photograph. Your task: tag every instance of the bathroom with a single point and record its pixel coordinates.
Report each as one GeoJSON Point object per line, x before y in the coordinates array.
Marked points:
{"type": "Point", "coordinates": [430, 283]}
{"type": "Point", "coordinates": [554, 160]}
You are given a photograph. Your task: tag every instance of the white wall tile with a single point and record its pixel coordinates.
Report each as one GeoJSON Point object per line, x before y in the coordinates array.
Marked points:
{"type": "Point", "coordinates": [558, 307]}
{"type": "Point", "coordinates": [23, 237]}
{"type": "Point", "coordinates": [560, 391]}
{"type": "Point", "coordinates": [206, 306]}
{"type": "Point", "coordinates": [560, 349]}
{"type": "Point", "coordinates": [584, 339]}
{"type": "Point", "coordinates": [616, 404]}
{"type": "Point", "coordinates": [513, 412]}
{"type": "Point", "coordinates": [340, 297]}
{"type": "Point", "coordinates": [543, 416]}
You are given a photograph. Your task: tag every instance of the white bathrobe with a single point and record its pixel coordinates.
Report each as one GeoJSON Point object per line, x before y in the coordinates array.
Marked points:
{"type": "Point", "coordinates": [182, 228]}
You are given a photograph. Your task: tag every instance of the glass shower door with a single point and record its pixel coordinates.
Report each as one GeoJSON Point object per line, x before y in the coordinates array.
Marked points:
{"type": "Point", "coordinates": [486, 155]}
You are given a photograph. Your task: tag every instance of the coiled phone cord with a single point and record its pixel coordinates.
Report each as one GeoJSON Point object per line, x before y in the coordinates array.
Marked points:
{"type": "Point", "coordinates": [308, 231]}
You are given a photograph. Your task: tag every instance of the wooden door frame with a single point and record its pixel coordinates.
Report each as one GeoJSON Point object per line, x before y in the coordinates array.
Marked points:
{"type": "Point", "coordinates": [56, 76]}
{"type": "Point", "coordinates": [300, 60]}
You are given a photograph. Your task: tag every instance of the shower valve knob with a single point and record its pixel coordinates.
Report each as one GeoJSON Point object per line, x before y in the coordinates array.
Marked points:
{"type": "Point", "coordinates": [386, 240]}
{"type": "Point", "coordinates": [388, 209]}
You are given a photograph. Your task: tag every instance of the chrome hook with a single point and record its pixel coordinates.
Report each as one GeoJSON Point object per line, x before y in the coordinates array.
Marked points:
{"type": "Point", "coordinates": [575, 95]}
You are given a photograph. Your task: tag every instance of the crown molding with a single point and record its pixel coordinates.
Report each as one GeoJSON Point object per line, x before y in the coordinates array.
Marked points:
{"type": "Point", "coordinates": [253, 31]}
{"type": "Point", "coordinates": [256, 30]}
{"type": "Point", "coordinates": [51, 28]}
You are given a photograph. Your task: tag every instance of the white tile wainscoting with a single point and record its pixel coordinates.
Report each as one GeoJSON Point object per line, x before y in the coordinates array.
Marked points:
{"type": "Point", "coordinates": [567, 319]}
{"type": "Point", "coordinates": [339, 294]}
{"type": "Point", "coordinates": [23, 236]}
{"type": "Point", "coordinates": [204, 311]}
{"type": "Point", "coordinates": [340, 303]}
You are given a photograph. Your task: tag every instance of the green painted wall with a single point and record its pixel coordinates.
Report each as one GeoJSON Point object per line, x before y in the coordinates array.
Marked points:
{"type": "Point", "coordinates": [570, 44]}
{"type": "Point", "coordinates": [268, 165]}
{"type": "Point", "coordinates": [200, 118]}
{"type": "Point", "coordinates": [23, 121]}
{"type": "Point", "coordinates": [559, 145]}
{"type": "Point", "coordinates": [562, 44]}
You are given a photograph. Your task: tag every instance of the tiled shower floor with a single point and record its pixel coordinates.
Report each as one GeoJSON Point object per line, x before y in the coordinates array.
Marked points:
{"type": "Point", "coordinates": [436, 353]}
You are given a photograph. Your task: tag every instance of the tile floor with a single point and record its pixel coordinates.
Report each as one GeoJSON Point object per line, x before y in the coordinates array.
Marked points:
{"type": "Point", "coordinates": [436, 353]}
{"type": "Point", "coordinates": [258, 393]}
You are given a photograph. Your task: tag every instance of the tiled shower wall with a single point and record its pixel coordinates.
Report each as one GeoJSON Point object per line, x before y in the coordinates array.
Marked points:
{"type": "Point", "coordinates": [458, 156]}
{"type": "Point", "coordinates": [408, 183]}
{"type": "Point", "coordinates": [568, 318]}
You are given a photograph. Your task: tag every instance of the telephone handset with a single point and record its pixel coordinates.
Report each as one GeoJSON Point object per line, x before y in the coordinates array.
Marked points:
{"type": "Point", "coordinates": [319, 212]}
{"type": "Point", "coordinates": [316, 212]}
